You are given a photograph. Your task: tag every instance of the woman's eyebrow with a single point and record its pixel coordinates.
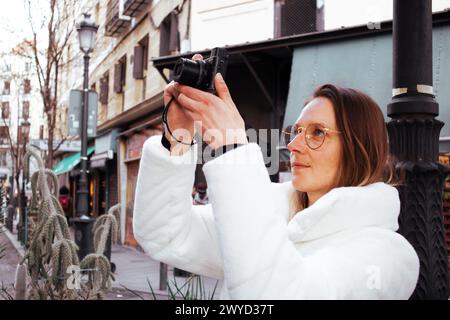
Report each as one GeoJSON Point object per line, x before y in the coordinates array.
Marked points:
{"type": "Point", "coordinates": [298, 124]}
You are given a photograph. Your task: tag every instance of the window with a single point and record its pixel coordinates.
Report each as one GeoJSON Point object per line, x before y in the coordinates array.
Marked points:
{"type": "Point", "coordinates": [140, 61]}
{"type": "Point", "coordinates": [26, 110]}
{"type": "Point", "coordinates": [104, 88]}
{"type": "Point", "coordinates": [3, 135]}
{"type": "Point", "coordinates": [22, 139]}
{"type": "Point", "coordinates": [6, 88]}
{"type": "Point", "coordinates": [169, 35]}
{"type": "Point", "coordinates": [27, 66]}
{"type": "Point", "coordinates": [6, 68]}
{"type": "Point", "coordinates": [120, 71]}
{"type": "Point", "coordinates": [26, 86]}
{"type": "Point", "coordinates": [3, 155]}
{"type": "Point", "coordinates": [5, 110]}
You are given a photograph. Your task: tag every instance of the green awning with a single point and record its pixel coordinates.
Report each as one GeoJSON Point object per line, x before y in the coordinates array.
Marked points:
{"type": "Point", "coordinates": [70, 162]}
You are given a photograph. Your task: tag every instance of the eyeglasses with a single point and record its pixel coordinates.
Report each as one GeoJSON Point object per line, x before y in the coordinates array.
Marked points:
{"type": "Point", "coordinates": [315, 134]}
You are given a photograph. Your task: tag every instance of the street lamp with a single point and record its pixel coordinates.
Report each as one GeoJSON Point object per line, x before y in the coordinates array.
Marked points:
{"type": "Point", "coordinates": [11, 209]}
{"type": "Point", "coordinates": [86, 33]}
{"type": "Point", "coordinates": [24, 132]}
{"type": "Point", "coordinates": [87, 30]}
{"type": "Point", "coordinates": [414, 141]}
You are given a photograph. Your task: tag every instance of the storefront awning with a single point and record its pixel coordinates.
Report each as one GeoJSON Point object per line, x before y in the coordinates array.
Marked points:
{"type": "Point", "coordinates": [98, 160]}
{"type": "Point", "coordinates": [70, 162]}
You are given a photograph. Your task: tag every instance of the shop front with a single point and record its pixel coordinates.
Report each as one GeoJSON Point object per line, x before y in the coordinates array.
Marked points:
{"type": "Point", "coordinates": [133, 142]}
{"type": "Point", "coordinates": [103, 166]}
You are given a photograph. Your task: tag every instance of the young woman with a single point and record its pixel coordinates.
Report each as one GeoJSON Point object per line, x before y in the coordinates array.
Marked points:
{"type": "Point", "coordinates": [330, 233]}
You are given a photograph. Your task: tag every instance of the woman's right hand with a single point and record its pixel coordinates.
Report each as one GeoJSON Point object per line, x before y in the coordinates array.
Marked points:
{"type": "Point", "coordinates": [180, 123]}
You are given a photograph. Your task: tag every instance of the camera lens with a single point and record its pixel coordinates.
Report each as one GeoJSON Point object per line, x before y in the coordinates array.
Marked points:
{"type": "Point", "coordinates": [188, 72]}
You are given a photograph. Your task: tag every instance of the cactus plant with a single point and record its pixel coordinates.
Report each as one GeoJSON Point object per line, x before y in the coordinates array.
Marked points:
{"type": "Point", "coordinates": [2, 218]}
{"type": "Point", "coordinates": [52, 252]}
{"type": "Point", "coordinates": [2, 245]}
{"type": "Point", "coordinates": [103, 227]}
{"type": "Point", "coordinates": [20, 283]}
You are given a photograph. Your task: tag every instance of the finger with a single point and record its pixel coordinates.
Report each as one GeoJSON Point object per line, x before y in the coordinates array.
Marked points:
{"type": "Point", "coordinates": [171, 90]}
{"type": "Point", "coordinates": [197, 56]}
{"type": "Point", "coordinates": [222, 89]}
{"type": "Point", "coordinates": [188, 103]}
{"type": "Point", "coordinates": [194, 116]}
{"type": "Point", "coordinates": [194, 93]}
{"type": "Point", "coordinates": [169, 87]}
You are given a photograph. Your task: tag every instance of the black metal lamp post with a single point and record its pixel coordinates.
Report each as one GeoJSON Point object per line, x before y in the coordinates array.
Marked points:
{"type": "Point", "coordinates": [414, 140]}
{"type": "Point", "coordinates": [24, 131]}
{"type": "Point", "coordinates": [11, 209]}
{"type": "Point", "coordinates": [87, 30]}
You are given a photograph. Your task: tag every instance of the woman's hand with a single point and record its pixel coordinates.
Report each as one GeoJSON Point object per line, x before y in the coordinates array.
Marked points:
{"type": "Point", "coordinates": [180, 123]}
{"type": "Point", "coordinates": [220, 120]}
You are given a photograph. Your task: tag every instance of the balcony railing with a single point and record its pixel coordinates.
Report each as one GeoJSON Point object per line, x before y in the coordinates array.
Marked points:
{"type": "Point", "coordinates": [134, 7]}
{"type": "Point", "coordinates": [114, 25]}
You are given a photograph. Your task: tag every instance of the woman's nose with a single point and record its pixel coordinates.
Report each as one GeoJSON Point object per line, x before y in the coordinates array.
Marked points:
{"type": "Point", "coordinates": [298, 143]}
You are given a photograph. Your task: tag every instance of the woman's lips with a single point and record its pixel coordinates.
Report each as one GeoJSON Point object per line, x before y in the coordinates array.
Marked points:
{"type": "Point", "coordinates": [299, 166]}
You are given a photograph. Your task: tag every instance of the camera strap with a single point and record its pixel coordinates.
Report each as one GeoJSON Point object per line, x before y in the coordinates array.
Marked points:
{"type": "Point", "coordinates": [166, 124]}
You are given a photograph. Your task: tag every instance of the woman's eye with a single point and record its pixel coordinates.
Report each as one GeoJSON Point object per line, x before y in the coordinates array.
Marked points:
{"type": "Point", "coordinates": [318, 132]}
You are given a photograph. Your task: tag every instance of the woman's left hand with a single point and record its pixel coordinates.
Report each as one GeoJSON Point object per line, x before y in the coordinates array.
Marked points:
{"type": "Point", "coordinates": [221, 122]}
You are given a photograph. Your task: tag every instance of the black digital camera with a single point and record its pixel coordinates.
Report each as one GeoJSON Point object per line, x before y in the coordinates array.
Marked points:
{"type": "Point", "coordinates": [200, 74]}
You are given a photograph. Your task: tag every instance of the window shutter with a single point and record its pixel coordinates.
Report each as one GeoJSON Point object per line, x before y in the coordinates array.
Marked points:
{"type": "Point", "coordinates": [3, 135]}
{"type": "Point", "coordinates": [26, 110]}
{"type": "Point", "coordinates": [27, 86]}
{"type": "Point", "coordinates": [5, 110]}
{"type": "Point", "coordinates": [3, 132]}
{"type": "Point", "coordinates": [104, 88]}
{"type": "Point", "coordinates": [6, 88]}
{"type": "Point", "coordinates": [138, 65]}
{"type": "Point", "coordinates": [20, 137]}
{"type": "Point", "coordinates": [174, 41]}
{"type": "Point", "coordinates": [164, 34]}
{"type": "Point", "coordinates": [118, 69]}
{"type": "Point", "coordinates": [123, 72]}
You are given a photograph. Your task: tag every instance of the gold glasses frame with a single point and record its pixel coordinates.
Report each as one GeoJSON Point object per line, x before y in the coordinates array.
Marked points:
{"type": "Point", "coordinates": [297, 130]}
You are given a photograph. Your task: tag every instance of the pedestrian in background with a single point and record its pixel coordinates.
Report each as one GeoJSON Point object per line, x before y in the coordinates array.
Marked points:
{"type": "Point", "coordinates": [201, 194]}
{"type": "Point", "coordinates": [65, 201]}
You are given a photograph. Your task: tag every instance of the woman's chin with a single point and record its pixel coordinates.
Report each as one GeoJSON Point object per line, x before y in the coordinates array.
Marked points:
{"type": "Point", "coordinates": [299, 184]}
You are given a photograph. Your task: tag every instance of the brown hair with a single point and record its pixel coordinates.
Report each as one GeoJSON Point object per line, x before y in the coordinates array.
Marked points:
{"type": "Point", "coordinates": [365, 155]}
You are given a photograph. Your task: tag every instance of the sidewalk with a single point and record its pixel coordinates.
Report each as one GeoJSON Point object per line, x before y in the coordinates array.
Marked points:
{"type": "Point", "coordinates": [134, 271]}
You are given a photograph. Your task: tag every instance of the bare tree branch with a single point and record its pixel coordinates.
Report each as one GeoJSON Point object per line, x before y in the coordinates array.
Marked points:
{"type": "Point", "coordinates": [58, 26]}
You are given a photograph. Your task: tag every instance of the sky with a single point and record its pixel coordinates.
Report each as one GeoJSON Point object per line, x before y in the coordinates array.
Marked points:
{"type": "Point", "coordinates": [14, 24]}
